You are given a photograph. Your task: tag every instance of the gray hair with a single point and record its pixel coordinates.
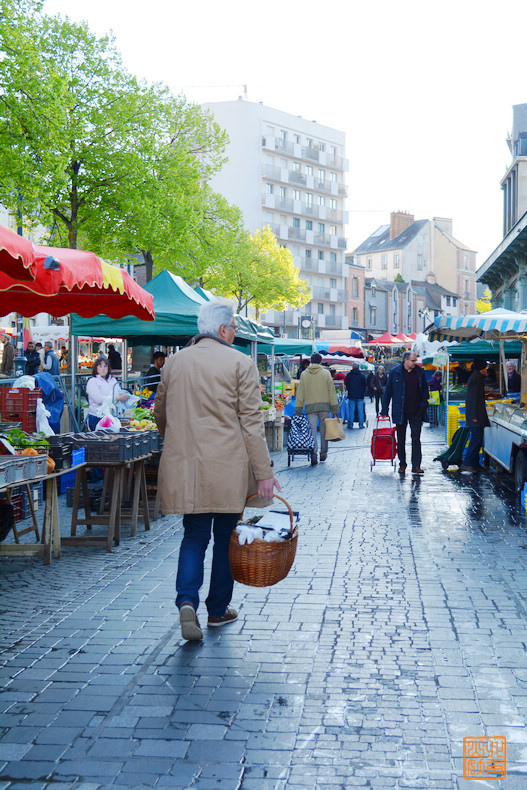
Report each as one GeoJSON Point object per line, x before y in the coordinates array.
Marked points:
{"type": "Point", "coordinates": [408, 354]}
{"type": "Point", "coordinates": [213, 315]}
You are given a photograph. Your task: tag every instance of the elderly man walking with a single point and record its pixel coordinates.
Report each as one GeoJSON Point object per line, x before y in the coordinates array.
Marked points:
{"type": "Point", "coordinates": [408, 391]}
{"type": "Point", "coordinates": [208, 408]}
{"type": "Point", "coordinates": [317, 394]}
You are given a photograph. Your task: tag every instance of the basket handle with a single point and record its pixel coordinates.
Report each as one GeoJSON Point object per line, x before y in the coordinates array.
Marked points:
{"type": "Point", "coordinates": [275, 496]}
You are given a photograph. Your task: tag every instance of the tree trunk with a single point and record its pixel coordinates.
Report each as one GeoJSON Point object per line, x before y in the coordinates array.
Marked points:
{"type": "Point", "coordinates": [149, 264]}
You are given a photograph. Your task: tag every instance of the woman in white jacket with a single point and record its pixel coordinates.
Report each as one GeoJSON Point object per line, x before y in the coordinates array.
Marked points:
{"type": "Point", "coordinates": [100, 386]}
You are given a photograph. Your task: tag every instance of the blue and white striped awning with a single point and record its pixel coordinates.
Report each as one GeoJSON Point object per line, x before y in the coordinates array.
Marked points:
{"type": "Point", "coordinates": [493, 324]}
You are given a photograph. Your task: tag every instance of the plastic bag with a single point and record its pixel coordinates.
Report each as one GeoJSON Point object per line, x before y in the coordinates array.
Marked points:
{"type": "Point", "coordinates": [110, 423]}
{"type": "Point", "coordinates": [28, 382]}
{"type": "Point", "coordinates": [43, 425]}
{"type": "Point", "coordinates": [108, 406]}
{"type": "Point", "coordinates": [130, 403]}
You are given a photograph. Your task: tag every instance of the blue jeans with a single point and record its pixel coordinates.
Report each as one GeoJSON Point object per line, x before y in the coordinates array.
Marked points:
{"type": "Point", "coordinates": [359, 405]}
{"type": "Point", "coordinates": [189, 578]}
{"type": "Point", "coordinates": [474, 445]}
{"type": "Point", "coordinates": [415, 422]}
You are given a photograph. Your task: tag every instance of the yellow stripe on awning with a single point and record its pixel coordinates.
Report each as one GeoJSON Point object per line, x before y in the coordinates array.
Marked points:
{"type": "Point", "coordinates": [112, 276]}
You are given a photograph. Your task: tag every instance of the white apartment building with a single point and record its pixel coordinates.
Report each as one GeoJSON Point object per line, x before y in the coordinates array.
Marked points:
{"type": "Point", "coordinates": [288, 172]}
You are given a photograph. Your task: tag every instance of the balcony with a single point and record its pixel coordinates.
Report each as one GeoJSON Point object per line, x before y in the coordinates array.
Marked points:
{"type": "Point", "coordinates": [342, 243]}
{"type": "Point", "coordinates": [310, 210]}
{"type": "Point", "coordinates": [296, 233]}
{"type": "Point", "coordinates": [285, 146]}
{"type": "Point", "coordinates": [343, 191]}
{"type": "Point", "coordinates": [272, 172]}
{"type": "Point", "coordinates": [323, 186]}
{"type": "Point", "coordinates": [322, 238]}
{"type": "Point", "coordinates": [335, 161]}
{"type": "Point", "coordinates": [310, 152]}
{"type": "Point", "coordinates": [296, 178]}
{"type": "Point", "coordinates": [319, 292]}
{"type": "Point", "coordinates": [336, 321]}
{"type": "Point", "coordinates": [335, 214]}
{"type": "Point", "coordinates": [309, 264]}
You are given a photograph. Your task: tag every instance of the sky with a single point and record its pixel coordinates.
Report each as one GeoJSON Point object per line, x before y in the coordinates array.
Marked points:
{"type": "Point", "coordinates": [423, 90]}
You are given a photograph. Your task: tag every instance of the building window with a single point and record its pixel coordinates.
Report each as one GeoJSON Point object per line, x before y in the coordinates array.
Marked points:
{"type": "Point", "coordinates": [296, 194]}
{"type": "Point", "coordinates": [296, 167]}
{"type": "Point", "coordinates": [354, 287]}
{"type": "Point", "coordinates": [320, 255]}
{"type": "Point", "coordinates": [321, 200]}
{"type": "Point", "coordinates": [355, 318]}
{"type": "Point", "coordinates": [309, 170]}
{"type": "Point", "coordinates": [333, 177]}
{"type": "Point", "coordinates": [309, 142]}
{"type": "Point", "coordinates": [308, 253]}
{"type": "Point", "coordinates": [384, 262]}
{"type": "Point", "coordinates": [296, 222]}
{"type": "Point", "coordinates": [368, 263]}
{"type": "Point", "coordinates": [283, 135]}
{"type": "Point", "coordinates": [321, 227]}
{"type": "Point", "coordinates": [320, 308]}
{"type": "Point", "coordinates": [332, 282]}
{"type": "Point", "coordinates": [454, 301]}
{"type": "Point", "coordinates": [309, 199]}
{"type": "Point", "coordinates": [283, 192]}
{"type": "Point", "coordinates": [373, 316]}
{"type": "Point", "coordinates": [419, 263]}
{"type": "Point", "coordinates": [322, 146]}
{"type": "Point", "coordinates": [396, 260]}
{"type": "Point", "coordinates": [448, 301]}
{"type": "Point", "coordinates": [309, 224]}
{"type": "Point", "coordinates": [269, 189]}
{"type": "Point", "coordinates": [321, 175]}
{"type": "Point", "coordinates": [332, 230]}
{"type": "Point", "coordinates": [333, 203]}
{"type": "Point", "coordinates": [297, 138]}
{"type": "Point", "coordinates": [373, 290]}
{"type": "Point", "coordinates": [333, 257]}
{"type": "Point", "coordinates": [332, 309]}
{"type": "Point", "coordinates": [334, 150]}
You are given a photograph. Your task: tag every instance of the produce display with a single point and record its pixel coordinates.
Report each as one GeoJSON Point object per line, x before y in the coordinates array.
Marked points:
{"type": "Point", "coordinates": [142, 419]}
{"type": "Point", "coordinates": [278, 402]}
{"type": "Point", "coordinates": [25, 441]}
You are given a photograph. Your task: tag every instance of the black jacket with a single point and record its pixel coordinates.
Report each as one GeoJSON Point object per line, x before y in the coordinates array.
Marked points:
{"type": "Point", "coordinates": [395, 392]}
{"type": "Point", "coordinates": [355, 383]}
{"type": "Point", "coordinates": [32, 362]}
{"type": "Point", "coordinates": [476, 412]}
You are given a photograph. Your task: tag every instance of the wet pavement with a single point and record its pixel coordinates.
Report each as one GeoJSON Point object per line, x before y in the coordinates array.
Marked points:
{"type": "Point", "coordinates": [401, 629]}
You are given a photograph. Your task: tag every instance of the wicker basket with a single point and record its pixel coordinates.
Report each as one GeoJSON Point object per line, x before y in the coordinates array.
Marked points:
{"type": "Point", "coordinates": [262, 563]}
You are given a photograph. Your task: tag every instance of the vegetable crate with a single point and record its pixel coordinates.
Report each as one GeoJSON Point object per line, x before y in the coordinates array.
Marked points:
{"type": "Point", "coordinates": [20, 405]}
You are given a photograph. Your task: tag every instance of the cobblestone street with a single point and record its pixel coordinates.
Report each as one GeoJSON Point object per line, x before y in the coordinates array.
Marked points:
{"type": "Point", "coordinates": [401, 628]}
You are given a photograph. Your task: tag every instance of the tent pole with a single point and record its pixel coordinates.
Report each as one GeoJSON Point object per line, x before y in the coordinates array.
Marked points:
{"type": "Point", "coordinates": [124, 360]}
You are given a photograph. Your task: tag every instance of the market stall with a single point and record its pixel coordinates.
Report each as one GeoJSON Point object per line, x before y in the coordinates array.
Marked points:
{"type": "Point", "coordinates": [505, 441]}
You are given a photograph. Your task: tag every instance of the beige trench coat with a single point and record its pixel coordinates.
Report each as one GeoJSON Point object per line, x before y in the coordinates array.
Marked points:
{"type": "Point", "coordinates": [208, 408]}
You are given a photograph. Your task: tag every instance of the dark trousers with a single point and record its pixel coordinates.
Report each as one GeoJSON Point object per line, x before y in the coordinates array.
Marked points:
{"type": "Point", "coordinates": [190, 572]}
{"type": "Point", "coordinates": [474, 446]}
{"type": "Point", "coordinates": [378, 396]}
{"type": "Point", "coordinates": [415, 423]}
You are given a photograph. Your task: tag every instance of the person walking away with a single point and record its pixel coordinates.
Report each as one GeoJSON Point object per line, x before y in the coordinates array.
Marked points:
{"type": "Point", "coordinates": [380, 381]}
{"type": "Point", "coordinates": [51, 361]}
{"type": "Point", "coordinates": [208, 409]}
{"type": "Point", "coordinates": [32, 359]}
{"type": "Point", "coordinates": [356, 386]}
{"type": "Point", "coordinates": [153, 374]}
{"type": "Point", "coordinates": [316, 394]}
{"type": "Point", "coordinates": [114, 358]}
{"type": "Point", "coordinates": [514, 380]}
{"type": "Point", "coordinates": [407, 391]}
{"type": "Point", "coordinates": [8, 357]}
{"type": "Point", "coordinates": [475, 415]}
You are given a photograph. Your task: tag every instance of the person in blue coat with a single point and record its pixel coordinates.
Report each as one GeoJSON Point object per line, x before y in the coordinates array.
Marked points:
{"type": "Point", "coordinates": [408, 392]}
{"type": "Point", "coordinates": [355, 383]}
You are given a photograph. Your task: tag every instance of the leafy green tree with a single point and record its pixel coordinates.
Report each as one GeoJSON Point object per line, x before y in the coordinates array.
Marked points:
{"type": "Point", "coordinates": [262, 274]}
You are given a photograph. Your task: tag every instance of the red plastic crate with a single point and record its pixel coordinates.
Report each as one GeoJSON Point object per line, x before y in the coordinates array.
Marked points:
{"type": "Point", "coordinates": [20, 405]}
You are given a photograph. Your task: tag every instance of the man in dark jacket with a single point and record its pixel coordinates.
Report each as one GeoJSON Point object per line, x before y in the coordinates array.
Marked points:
{"type": "Point", "coordinates": [514, 380]}
{"type": "Point", "coordinates": [476, 414]}
{"type": "Point", "coordinates": [32, 359]}
{"type": "Point", "coordinates": [355, 383]}
{"type": "Point", "coordinates": [408, 391]}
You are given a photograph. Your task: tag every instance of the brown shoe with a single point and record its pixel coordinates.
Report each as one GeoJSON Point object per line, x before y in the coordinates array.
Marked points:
{"type": "Point", "coordinates": [416, 470]}
{"type": "Point", "coordinates": [190, 627]}
{"type": "Point", "coordinates": [402, 469]}
{"type": "Point", "coordinates": [229, 617]}
{"type": "Point", "coordinates": [471, 469]}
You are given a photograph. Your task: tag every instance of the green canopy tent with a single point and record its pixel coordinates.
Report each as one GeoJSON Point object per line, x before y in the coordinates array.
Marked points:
{"type": "Point", "coordinates": [490, 349]}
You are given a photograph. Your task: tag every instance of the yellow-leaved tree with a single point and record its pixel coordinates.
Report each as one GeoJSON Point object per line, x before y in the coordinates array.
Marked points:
{"type": "Point", "coordinates": [261, 274]}
{"type": "Point", "coordinates": [483, 305]}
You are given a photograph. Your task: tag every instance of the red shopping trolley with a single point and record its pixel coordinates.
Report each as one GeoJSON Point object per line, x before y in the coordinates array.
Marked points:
{"type": "Point", "coordinates": [383, 442]}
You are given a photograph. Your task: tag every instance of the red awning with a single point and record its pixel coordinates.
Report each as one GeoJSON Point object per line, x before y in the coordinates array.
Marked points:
{"type": "Point", "coordinates": [16, 255]}
{"type": "Point", "coordinates": [383, 340]}
{"type": "Point", "coordinates": [74, 281]}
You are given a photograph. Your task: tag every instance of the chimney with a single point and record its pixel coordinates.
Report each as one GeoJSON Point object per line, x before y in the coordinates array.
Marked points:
{"type": "Point", "coordinates": [399, 221]}
{"type": "Point", "coordinates": [444, 224]}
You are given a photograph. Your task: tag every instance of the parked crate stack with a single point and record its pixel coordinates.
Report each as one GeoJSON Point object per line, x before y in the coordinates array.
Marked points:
{"type": "Point", "coordinates": [20, 405]}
